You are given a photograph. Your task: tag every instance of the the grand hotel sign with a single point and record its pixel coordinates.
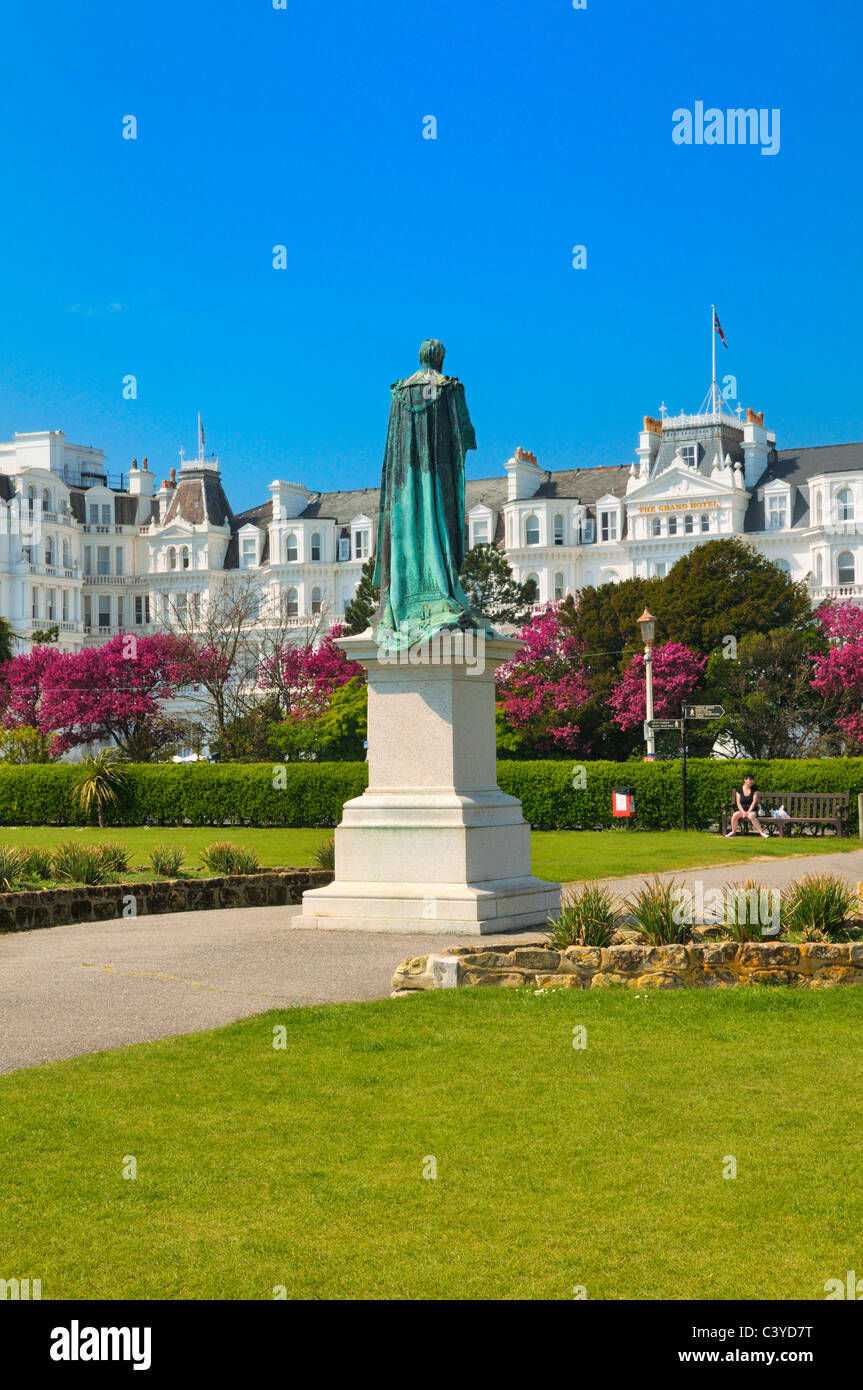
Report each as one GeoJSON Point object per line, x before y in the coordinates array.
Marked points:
{"type": "Point", "coordinates": [680, 506]}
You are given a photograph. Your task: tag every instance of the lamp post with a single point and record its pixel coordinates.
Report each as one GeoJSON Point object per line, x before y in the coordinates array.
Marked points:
{"type": "Point", "coordinates": [647, 623]}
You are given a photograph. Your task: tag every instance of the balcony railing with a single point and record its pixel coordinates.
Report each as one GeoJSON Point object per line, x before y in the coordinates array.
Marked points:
{"type": "Point", "coordinates": [822, 591]}
{"type": "Point", "coordinates": [129, 580]}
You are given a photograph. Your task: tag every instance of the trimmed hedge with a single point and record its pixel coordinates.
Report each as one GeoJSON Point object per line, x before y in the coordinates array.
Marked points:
{"type": "Point", "coordinates": [551, 802]}
{"type": "Point", "coordinates": [292, 794]}
{"type": "Point", "coordinates": [313, 793]}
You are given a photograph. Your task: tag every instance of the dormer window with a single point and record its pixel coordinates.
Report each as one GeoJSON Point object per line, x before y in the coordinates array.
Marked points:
{"type": "Point", "coordinates": [249, 554]}
{"type": "Point", "coordinates": [689, 454]}
{"type": "Point", "coordinates": [608, 526]}
{"type": "Point", "coordinates": [480, 530]}
{"type": "Point", "coordinates": [361, 545]}
{"type": "Point", "coordinates": [531, 531]}
{"type": "Point", "coordinates": [776, 514]}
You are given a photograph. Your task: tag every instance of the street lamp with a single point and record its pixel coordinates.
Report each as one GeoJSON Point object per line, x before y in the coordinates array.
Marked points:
{"type": "Point", "coordinates": [647, 623]}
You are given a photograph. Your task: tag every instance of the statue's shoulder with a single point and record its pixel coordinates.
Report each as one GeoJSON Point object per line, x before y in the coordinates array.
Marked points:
{"type": "Point", "coordinates": [426, 378]}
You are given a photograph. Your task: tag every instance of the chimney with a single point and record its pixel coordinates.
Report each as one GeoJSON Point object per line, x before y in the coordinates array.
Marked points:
{"type": "Point", "coordinates": [755, 448]}
{"type": "Point", "coordinates": [141, 480]}
{"type": "Point", "coordinates": [173, 482]}
{"type": "Point", "coordinates": [649, 441]}
{"type": "Point", "coordinates": [524, 475]}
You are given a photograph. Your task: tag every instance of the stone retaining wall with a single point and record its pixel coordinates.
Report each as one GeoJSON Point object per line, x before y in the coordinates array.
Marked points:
{"type": "Point", "coordinates": [712, 964]}
{"type": "Point", "coordinates": [56, 907]}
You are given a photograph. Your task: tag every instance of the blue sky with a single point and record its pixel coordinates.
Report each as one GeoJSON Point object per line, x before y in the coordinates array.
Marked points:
{"type": "Point", "coordinates": [303, 127]}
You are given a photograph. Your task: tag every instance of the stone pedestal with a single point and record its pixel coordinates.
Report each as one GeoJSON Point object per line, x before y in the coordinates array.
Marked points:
{"type": "Point", "coordinates": [433, 845]}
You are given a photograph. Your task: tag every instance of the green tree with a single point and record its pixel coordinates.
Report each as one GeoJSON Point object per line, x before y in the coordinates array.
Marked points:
{"type": "Point", "coordinates": [7, 641]}
{"type": "Point", "coordinates": [364, 604]}
{"type": "Point", "coordinates": [605, 621]}
{"type": "Point", "coordinates": [249, 737]}
{"type": "Point", "coordinates": [489, 584]}
{"type": "Point", "coordinates": [42, 635]}
{"type": "Point", "coordinates": [771, 710]}
{"type": "Point", "coordinates": [336, 735]}
{"type": "Point", "coordinates": [25, 744]}
{"type": "Point", "coordinates": [724, 589]}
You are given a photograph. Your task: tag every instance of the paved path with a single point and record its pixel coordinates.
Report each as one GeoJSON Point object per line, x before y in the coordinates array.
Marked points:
{"type": "Point", "coordinates": [75, 989]}
{"type": "Point", "coordinates": [774, 872]}
{"type": "Point", "coordinates": [95, 985]}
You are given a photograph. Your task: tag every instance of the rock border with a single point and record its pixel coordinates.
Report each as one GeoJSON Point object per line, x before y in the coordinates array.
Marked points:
{"type": "Point", "coordinates": [58, 907]}
{"type": "Point", "coordinates": [704, 965]}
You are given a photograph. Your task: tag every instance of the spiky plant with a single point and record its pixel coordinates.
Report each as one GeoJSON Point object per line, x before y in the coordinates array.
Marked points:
{"type": "Point", "coordinates": [586, 918]}
{"type": "Point", "coordinates": [100, 784]}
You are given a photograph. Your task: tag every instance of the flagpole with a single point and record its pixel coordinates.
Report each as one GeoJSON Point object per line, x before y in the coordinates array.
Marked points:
{"type": "Point", "coordinates": [713, 347]}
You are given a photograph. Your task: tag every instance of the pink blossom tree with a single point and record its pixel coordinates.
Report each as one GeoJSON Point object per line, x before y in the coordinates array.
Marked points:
{"type": "Point", "coordinates": [677, 672]}
{"type": "Point", "coordinates": [838, 672]}
{"type": "Point", "coordinates": [303, 675]}
{"type": "Point", "coordinates": [541, 690]}
{"type": "Point", "coordinates": [21, 684]}
{"type": "Point", "coordinates": [107, 694]}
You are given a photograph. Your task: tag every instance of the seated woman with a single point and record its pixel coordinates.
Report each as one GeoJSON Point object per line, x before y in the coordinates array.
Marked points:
{"type": "Point", "coordinates": [746, 807]}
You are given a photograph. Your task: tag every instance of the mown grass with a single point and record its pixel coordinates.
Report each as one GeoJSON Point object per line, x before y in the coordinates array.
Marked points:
{"type": "Point", "coordinates": [556, 1167]}
{"type": "Point", "coordinates": [561, 855]}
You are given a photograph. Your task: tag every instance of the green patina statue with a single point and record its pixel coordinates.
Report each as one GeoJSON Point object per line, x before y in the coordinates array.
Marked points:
{"type": "Point", "coordinates": [421, 537]}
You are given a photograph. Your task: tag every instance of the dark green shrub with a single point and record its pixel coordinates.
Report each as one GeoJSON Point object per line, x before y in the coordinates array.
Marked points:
{"type": "Point", "coordinates": [79, 863]}
{"type": "Point", "coordinates": [324, 856]}
{"type": "Point", "coordinates": [819, 907]}
{"type": "Point", "coordinates": [36, 863]}
{"type": "Point", "coordinates": [226, 858]}
{"type": "Point", "coordinates": [114, 856]}
{"type": "Point", "coordinates": [166, 860]}
{"type": "Point", "coordinates": [11, 868]}
{"type": "Point", "coordinates": [586, 918]}
{"type": "Point", "coordinates": [658, 910]}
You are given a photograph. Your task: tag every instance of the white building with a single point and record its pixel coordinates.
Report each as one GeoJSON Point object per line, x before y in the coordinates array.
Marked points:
{"type": "Point", "coordinates": [99, 554]}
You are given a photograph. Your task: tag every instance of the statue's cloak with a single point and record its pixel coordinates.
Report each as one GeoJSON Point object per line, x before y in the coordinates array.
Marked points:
{"type": "Point", "coordinates": [421, 529]}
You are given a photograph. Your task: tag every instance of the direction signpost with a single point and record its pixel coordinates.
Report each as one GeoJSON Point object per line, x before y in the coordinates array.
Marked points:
{"type": "Point", "coordinates": [686, 712]}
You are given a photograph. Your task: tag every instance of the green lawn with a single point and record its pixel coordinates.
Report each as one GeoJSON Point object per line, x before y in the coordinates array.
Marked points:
{"type": "Point", "coordinates": [556, 1167]}
{"type": "Point", "coordinates": [562, 855]}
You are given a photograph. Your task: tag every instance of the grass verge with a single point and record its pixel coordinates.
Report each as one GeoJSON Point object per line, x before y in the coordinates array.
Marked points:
{"type": "Point", "coordinates": [556, 1167]}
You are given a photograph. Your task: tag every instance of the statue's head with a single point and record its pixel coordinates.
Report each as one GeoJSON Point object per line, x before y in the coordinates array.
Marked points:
{"type": "Point", "coordinates": [432, 353]}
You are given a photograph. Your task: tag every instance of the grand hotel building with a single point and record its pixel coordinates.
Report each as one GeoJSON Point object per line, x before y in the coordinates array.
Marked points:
{"type": "Point", "coordinates": [99, 554]}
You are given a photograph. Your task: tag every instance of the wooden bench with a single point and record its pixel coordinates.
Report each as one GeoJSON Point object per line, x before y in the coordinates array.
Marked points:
{"type": "Point", "coordinates": [804, 808]}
